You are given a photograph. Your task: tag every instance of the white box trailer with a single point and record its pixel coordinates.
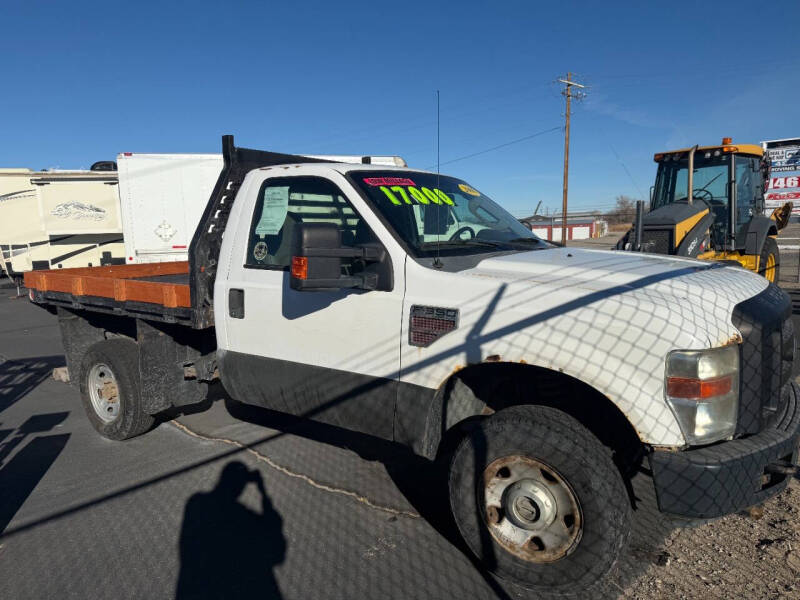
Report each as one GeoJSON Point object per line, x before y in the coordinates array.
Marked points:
{"type": "Point", "coordinates": [58, 219]}
{"type": "Point", "coordinates": [162, 197]}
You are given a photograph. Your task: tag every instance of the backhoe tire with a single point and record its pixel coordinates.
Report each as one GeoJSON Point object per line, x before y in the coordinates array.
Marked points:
{"type": "Point", "coordinates": [769, 261]}
{"type": "Point", "coordinates": [539, 500]}
{"type": "Point", "coordinates": [111, 390]}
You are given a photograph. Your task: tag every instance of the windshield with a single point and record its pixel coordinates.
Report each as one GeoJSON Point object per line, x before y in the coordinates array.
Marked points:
{"type": "Point", "coordinates": [710, 181]}
{"type": "Point", "coordinates": [442, 215]}
{"type": "Point", "coordinates": [710, 184]}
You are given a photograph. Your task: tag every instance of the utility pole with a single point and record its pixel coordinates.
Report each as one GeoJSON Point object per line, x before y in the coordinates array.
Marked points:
{"type": "Point", "coordinates": [569, 94]}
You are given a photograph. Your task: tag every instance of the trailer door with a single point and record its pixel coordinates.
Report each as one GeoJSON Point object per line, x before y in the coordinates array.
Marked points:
{"type": "Point", "coordinates": [162, 197]}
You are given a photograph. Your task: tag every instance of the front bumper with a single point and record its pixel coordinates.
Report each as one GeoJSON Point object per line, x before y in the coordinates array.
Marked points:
{"type": "Point", "coordinates": [729, 476]}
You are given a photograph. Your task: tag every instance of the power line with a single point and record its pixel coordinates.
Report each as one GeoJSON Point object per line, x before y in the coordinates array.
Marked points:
{"type": "Point", "coordinates": [454, 112]}
{"type": "Point", "coordinates": [624, 166]}
{"type": "Point", "coordinates": [499, 146]}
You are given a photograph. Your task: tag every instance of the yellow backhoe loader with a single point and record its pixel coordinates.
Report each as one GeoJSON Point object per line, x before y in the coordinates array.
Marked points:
{"type": "Point", "coordinates": [708, 203]}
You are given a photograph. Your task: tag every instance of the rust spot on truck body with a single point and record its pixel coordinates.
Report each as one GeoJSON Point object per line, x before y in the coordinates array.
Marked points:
{"type": "Point", "coordinates": [733, 340]}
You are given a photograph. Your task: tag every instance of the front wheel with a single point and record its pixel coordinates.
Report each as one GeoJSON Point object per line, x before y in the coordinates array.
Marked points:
{"type": "Point", "coordinates": [539, 500]}
{"type": "Point", "coordinates": [769, 260]}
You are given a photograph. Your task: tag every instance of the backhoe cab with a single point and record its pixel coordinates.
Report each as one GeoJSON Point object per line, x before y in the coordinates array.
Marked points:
{"type": "Point", "coordinates": [708, 203]}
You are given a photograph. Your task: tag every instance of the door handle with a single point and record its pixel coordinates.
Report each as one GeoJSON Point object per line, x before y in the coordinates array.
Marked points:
{"type": "Point", "coordinates": [236, 303]}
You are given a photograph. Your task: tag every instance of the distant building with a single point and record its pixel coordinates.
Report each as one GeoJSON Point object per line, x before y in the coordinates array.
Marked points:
{"type": "Point", "coordinates": [578, 227]}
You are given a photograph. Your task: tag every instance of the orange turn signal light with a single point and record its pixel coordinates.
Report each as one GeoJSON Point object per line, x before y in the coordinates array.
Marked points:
{"type": "Point", "coordinates": [299, 267]}
{"type": "Point", "coordinates": [684, 387]}
{"type": "Point", "coordinates": [730, 148]}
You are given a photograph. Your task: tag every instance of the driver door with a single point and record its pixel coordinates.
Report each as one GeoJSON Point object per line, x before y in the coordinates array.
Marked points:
{"type": "Point", "coordinates": [332, 356]}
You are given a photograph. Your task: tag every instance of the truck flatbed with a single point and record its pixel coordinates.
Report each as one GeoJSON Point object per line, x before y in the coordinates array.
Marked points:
{"type": "Point", "coordinates": [158, 291]}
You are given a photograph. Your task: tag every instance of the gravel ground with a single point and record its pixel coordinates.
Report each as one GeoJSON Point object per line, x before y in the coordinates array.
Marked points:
{"type": "Point", "coordinates": [734, 557]}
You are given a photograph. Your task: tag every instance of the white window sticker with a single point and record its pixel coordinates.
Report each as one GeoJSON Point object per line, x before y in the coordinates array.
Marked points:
{"type": "Point", "coordinates": [276, 205]}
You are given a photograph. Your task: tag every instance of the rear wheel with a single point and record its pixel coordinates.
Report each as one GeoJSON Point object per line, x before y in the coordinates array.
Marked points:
{"type": "Point", "coordinates": [539, 500]}
{"type": "Point", "coordinates": [769, 260]}
{"type": "Point", "coordinates": [110, 389]}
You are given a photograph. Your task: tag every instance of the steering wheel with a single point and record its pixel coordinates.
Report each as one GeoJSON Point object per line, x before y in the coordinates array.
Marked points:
{"type": "Point", "coordinates": [460, 230]}
{"type": "Point", "coordinates": [702, 195]}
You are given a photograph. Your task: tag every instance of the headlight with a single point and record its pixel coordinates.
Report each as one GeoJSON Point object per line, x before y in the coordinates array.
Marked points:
{"type": "Point", "coordinates": [702, 387]}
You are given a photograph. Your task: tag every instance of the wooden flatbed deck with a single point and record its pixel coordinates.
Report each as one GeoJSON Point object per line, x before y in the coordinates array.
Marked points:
{"type": "Point", "coordinates": [165, 284]}
{"type": "Point", "coordinates": [154, 291]}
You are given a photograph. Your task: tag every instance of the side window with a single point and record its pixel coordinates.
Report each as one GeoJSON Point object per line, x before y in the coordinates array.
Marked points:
{"type": "Point", "coordinates": [284, 202]}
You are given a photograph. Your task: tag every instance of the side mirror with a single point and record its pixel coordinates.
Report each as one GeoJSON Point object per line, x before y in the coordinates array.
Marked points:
{"type": "Point", "coordinates": [317, 260]}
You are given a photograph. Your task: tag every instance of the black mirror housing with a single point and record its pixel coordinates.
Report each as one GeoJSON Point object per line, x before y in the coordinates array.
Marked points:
{"type": "Point", "coordinates": [317, 260]}
{"type": "Point", "coordinates": [318, 236]}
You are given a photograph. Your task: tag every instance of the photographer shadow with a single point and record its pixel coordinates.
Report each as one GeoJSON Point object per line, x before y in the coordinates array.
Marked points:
{"type": "Point", "coordinates": [228, 550]}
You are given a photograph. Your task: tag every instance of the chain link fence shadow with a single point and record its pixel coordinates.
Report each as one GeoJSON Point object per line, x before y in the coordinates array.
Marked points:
{"type": "Point", "coordinates": [527, 320]}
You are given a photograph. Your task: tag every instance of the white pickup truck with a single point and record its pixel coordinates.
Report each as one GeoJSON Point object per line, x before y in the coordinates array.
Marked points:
{"type": "Point", "coordinates": [546, 376]}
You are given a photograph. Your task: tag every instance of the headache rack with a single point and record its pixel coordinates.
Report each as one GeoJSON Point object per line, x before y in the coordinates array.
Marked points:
{"type": "Point", "coordinates": [207, 240]}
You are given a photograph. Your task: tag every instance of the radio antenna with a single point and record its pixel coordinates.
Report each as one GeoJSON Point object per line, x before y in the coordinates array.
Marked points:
{"type": "Point", "coordinates": [438, 261]}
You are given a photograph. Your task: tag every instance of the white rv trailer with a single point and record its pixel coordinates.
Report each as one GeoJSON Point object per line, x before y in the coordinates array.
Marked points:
{"type": "Point", "coordinates": [58, 219]}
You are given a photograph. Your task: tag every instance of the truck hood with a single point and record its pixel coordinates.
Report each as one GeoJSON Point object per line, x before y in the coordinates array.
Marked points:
{"type": "Point", "coordinates": [590, 269]}
{"type": "Point", "coordinates": [608, 319]}
{"type": "Point", "coordinates": [657, 285]}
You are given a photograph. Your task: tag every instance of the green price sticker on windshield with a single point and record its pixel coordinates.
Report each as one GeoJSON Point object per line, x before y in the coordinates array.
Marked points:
{"type": "Point", "coordinates": [409, 194]}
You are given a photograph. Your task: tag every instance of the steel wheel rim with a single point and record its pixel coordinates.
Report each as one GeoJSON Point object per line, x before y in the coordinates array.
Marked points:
{"type": "Point", "coordinates": [769, 271]}
{"type": "Point", "coordinates": [104, 392]}
{"type": "Point", "coordinates": [530, 509]}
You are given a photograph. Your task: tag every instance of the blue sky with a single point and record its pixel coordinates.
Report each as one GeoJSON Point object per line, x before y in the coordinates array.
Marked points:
{"type": "Point", "coordinates": [84, 81]}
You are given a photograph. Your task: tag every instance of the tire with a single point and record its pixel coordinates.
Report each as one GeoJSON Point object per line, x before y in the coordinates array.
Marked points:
{"type": "Point", "coordinates": [562, 450]}
{"type": "Point", "coordinates": [118, 415]}
{"type": "Point", "coordinates": [769, 249]}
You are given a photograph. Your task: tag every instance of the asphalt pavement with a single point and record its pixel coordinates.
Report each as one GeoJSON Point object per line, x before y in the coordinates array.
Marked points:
{"type": "Point", "coordinates": [85, 517]}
